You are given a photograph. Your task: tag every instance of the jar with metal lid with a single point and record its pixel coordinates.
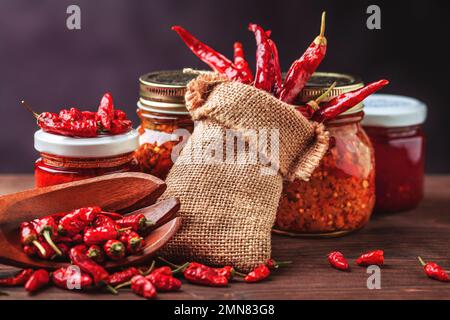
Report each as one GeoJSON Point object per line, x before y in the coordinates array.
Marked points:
{"type": "Point", "coordinates": [340, 195]}
{"type": "Point", "coordinates": [65, 159]}
{"type": "Point", "coordinates": [394, 125]}
{"type": "Point", "coordinates": [165, 122]}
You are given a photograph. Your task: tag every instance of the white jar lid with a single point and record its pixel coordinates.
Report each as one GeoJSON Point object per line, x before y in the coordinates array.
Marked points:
{"type": "Point", "coordinates": [98, 147]}
{"type": "Point", "coordinates": [387, 110]}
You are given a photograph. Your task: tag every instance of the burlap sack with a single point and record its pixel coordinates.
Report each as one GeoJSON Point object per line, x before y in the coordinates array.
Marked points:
{"type": "Point", "coordinates": [229, 207]}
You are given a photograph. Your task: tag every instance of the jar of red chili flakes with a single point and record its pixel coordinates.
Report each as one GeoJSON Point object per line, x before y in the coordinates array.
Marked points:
{"type": "Point", "coordinates": [394, 125]}
{"type": "Point", "coordinates": [165, 122]}
{"type": "Point", "coordinates": [65, 159]}
{"type": "Point", "coordinates": [340, 195]}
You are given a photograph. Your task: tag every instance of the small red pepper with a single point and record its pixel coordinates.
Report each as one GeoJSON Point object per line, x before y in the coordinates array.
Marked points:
{"type": "Point", "coordinates": [50, 122]}
{"type": "Point", "coordinates": [137, 222]}
{"type": "Point", "coordinates": [120, 126]}
{"type": "Point", "coordinates": [260, 273]}
{"type": "Point", "coordinates": [114, 249]}
{"type": "Point", "coordinates": [371, 258]}
{"type": "Point", "coordinates": [99, 235]}
{"type": "Point", "coordinates": [275, 68]}
{"type": "Point", "coordinates": [18, 280]}
{"type": "Point", "coordinates": [123, 276]}
{"type": "Point", "coordinates": [264, 78]}
{"type": "Point", "coordinates": [239, 59]}
{"type": "Point", "coordinates": [75, 221]}
{"type": "Point", "coordinates": [132, 241]}
{"type": "Point", "coordinates": [143, 287]}
{"type": "Point", "coordinates": [106, 111]}
{"type": "Point", "coordinates": [119, 115]}
{"type": "Point", "coordinates": [434, 271]}
{"type": "Point", "coordinates": [164, 282]}
{"type": "Point", "coordinates": [78, 256]}
{"type": "Point", "coordinates": [200, 274]}
{"type": "Point", "coordinates": [38, 280]}
{"type": "Point", "coordinates": [73, 114]}
{"type": "Point", "coordinates": [226, 271]}
{"type": "Point", "coordinates": [68, 278]}
{"type": "Point", "coordinates": [96, 253]}
{"type": "Point", "coordinates": [29, 237]}
{"type": "Point", "coordinates": [338, 260]}
{"type": "Point", "coordinates": [47, 228]}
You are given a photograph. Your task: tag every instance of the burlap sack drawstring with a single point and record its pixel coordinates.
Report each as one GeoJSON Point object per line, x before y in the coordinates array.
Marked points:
{"type": "Point", "coordinates": [228, 209]}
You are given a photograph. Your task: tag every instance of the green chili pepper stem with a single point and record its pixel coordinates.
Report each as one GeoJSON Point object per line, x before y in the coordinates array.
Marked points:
{"type": "Point", "coordinates": [49, 240]}
{"type": "Point", "coordinates": [150, 269]}
{"type": "Point", "coordinates": [240, 274]}
{"type": "Point", "coordinates": [282, 263]}
{"type": "Point", "coordinates": [122, 285]}
{"type": "Point", "coordinates": [326, 93]}
{"type": "Point", "coordinates": [39, 247]}
{"type": "Point", "coordinates": [111, 289]}
{"type": "Point", "coordinates": [181, 268]}
{"type": "Point", "coordinates": [124, 229]}
{"type": "Point", "coordinates": [421, 261]}
{"type": "Point", "coordinates": [27, 106]}
{"type": "Point", "coordinates": [148, 223]}
{"type": "Point", "coordinates": [173, 265]}
{"type": "Point", "coordinates": [117, 248]}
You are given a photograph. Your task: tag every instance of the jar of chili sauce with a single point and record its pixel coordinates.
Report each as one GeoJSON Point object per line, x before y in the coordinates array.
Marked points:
{"type": "Point", "coordinates": [394, 125]}
{"type": "Point", "coordinates": [65, 159]}
{"type": "Point", "coordinates": [165, 122]}
{"type": "Point", "coordinates": [340, 195]}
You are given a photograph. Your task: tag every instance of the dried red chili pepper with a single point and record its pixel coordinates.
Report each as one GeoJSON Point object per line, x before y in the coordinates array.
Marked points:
{"type": "Point", "coordinates": [120, 126]}
{"type": "Point", "coordinates": [239, 59]}
{"type": "Point", "coordinates": [18, 280]}
{"type": "Point", "coordinates": [122, 277]}
{"type": "Point", "coordinates": [212, 58]}
{"type": "Point", "coordinates": [165, 270]}
{"type": "Point", "coordinates": [112, 215]}
{"type": "Point", "coordinates": [114, 249]}
{"type": "Point", "coordinates": [200, 274]}
{"type": "Point", "coordinates": [264, 78]}
{"type": "Point", "coordinates": [312, 106]}
{"type": "Point", "coordinates": [303, 68]}
{"type": "Point", "coordinates": [50, 122]}
{"type": "Point", "coordinates": [260, 273]}
{"type": "Point", "coordinates": [137, 222]}
{"type": "Point", "coordinates": [96, 253]}
{"type": "Point", "coordinates": [29, 236]}
{"type": "Point", "coordinates": [99, 235]}
{"type": "Point", "coordinates": [47, 228]}
{"type": "Point", "coordinates": [132, 241]}
{"type": "Point", "coordinates": [78, 256]}
{"type": "Point", "coordinates": [48, 253]}
{"type": "Point", "coordinates": [106, 111]}
{"type": "Point", "coordinates": [226, 271]}
{"type": "Point", "coordinates": [73, 114]}
{"type": "Point", "coordinates": [39, 279]}
{"type": "Point", "coordinates": [164, 282]}
{"type": "Point", "coordinates": [77, 220]}
{"type": "Point", "coordinates": [69, 279]}
{"type": "Point", "coordinates": [371, 258]}
{"type": "Point", "coordinates": [345, 101]}
{"type": "Point", "coordinates": [434, 271]}
{"type": "Point", "coordinates": [119, 115]}
{"type": "Point", "coordinates": [275, 68]}
{"type": "Point", "coordinates": [89, 115]}
{"type": "Point", "coordinates": [338, 260]}
{"type": "Point", "coordinates": [143, 287]}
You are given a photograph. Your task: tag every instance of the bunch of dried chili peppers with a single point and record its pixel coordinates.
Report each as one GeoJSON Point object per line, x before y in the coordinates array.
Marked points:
{"type": "Point", "coordinates": [268, 76]}
{"type": "Point", "coordinates": [85, 124]}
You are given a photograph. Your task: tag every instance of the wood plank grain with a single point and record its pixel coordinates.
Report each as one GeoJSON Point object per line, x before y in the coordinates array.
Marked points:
{"type": "Point", "coordinates": [424, 231]}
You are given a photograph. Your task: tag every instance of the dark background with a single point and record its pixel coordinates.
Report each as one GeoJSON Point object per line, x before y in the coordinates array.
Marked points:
{"type": "Point", "coordinates": [53, 67]}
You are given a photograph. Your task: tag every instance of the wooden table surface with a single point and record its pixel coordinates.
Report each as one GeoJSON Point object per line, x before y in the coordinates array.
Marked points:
{"type": "Point", "coordinates": [403, 236]}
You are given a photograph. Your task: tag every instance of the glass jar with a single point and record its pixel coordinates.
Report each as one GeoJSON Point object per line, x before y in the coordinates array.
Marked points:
{"type": "Point", "coordinates": [394, 125]}
{"type": "Point", "coordinates": [65, 159]}
{"type": "Point", "coordinates": [165, 122]}
{"type": "Point", "coordinates": [340, 195]}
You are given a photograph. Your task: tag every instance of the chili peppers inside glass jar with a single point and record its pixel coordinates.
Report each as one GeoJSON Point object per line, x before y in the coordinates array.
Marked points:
{"type": "Point", "coordinates": [65, 159]}
{"type": "Point", "coordinates": [340, 195]}
{"type": "Point", "coordinates": [394, 125]}
{"type": "Point", "coordinates": [165, 122]}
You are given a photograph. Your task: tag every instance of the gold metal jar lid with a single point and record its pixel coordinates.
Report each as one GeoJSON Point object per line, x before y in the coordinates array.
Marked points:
{"type": "Point", "coordinates": [321, 81]}
{"type": "Point", "coordinates": [163, 91]}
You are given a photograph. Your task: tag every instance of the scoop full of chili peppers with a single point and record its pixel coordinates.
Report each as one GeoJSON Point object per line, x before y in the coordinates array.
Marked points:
{"type": "Point", "coordinates": [85, 124]}
{"type": "Point", "coordinates": [268, 73]}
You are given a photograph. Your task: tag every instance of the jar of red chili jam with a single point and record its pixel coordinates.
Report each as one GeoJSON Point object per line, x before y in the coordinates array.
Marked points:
{"type": "Point", "coordinates": [165, 122]}
{"type": "Point", "coordinates": [65, 159]}
{"type": "Point", "coordinates": [340, 195]}
{"type": "Point", "coordinates": [394, 125]}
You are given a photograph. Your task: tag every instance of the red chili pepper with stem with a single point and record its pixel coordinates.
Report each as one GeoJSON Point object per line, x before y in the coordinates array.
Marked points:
{"type": "Point", "coordinates": [132, 241]}
{"type": "Point", "coordinates": [114, 249]}
{"type": "Point", "coordinates": [49, 253]}
{"type": "Point", "coordinates": [18, 280]}
{"type": "Point", "coordinates": [99, 235]}
{"type": "Point", "coordinates": [226, 271]}
{"type": "Point", "coordinates": [143, 287]}
{"type": "Point", "coordinates": [77, 220]}
{"type": "Point", "coordinates": [336, 106]}
{"type": "Point", "coordinates": [303, 68]}
{"type": "Point", "coordinates": [78, 256]}
{"type": "Point", "coordinates": [200, 274]}
{"type": "Point", "coordinates": [275, 68]}
{"type": "Point", "coordinates": [121, 277]}
{"type": "Point", "coordinates": [37, 281]}
{"type": "Point", "coordinates": [96, 253]}
{"type": "Point", "coordinates": [264, 78]}
{"type": "Point", "coordinates": [73, 114]}
{"type": "Point", "coordinates": [434, 271]}
{"type": "Point", "coordinates": [106, 111]}
{"type": "Point", "coordinates": [312, 106]}
{"type": "Point", "coordinates": [212, 58]}
{"type": "Point", "coordinates": [239, 58]}
{"type": "Point", "coordinates": [337, 260]}
{"type": "Point", "coordinates": [164, 282]}
{"type": "Point", "coordinates": [70, 279]}
{"type": "Point", "coordinates": [258, 274]}
{"type": "Point", "coordinates": [137, 222]}
{"type": "Point", "coordinates": [81, 128]}
{"type": "Point", "coordinates": [30, 237]}
{"type": "Point", "coordinates": [371, 258]}
{"type": "Point", "coordinates": [89, 115]}
{"type": "Point", "coordinates": [47, 228]}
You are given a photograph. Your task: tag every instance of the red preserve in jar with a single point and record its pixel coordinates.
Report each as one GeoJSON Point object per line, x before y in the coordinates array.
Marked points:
{"type": "Point", "coordinates": [394, 125]}
{"type": "Point", "coordinates": [65, 159]}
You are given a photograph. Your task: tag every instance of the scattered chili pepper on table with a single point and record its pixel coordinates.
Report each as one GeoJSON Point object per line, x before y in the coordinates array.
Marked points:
{"type": "Point", "coordinates": [338, 261]}
{"type": "Point", "coordinates": [434, 271]}
{"type": "Point", "coordinates": [123, 276]}
{"type": "Point", "coordinates": [68, 278]}
{"type": "Point", "coordinates": [143, 287]}
{"type": "Point", "coordinates": [258, 274]}
{"type": "Point", "coordinates": [200, 274]}
{"type": "Point", "coordinates": [371, 258]}
{"type": "Point", "coordinates": [163, 282]}
{"type": "Point", "coordinates": [39, 279]}
{"type": "Point", "coordinates": [18, 280]}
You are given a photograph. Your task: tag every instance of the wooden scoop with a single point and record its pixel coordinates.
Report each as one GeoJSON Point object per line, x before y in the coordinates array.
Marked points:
{"type": "Point", "coordinates": [120, 192]}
